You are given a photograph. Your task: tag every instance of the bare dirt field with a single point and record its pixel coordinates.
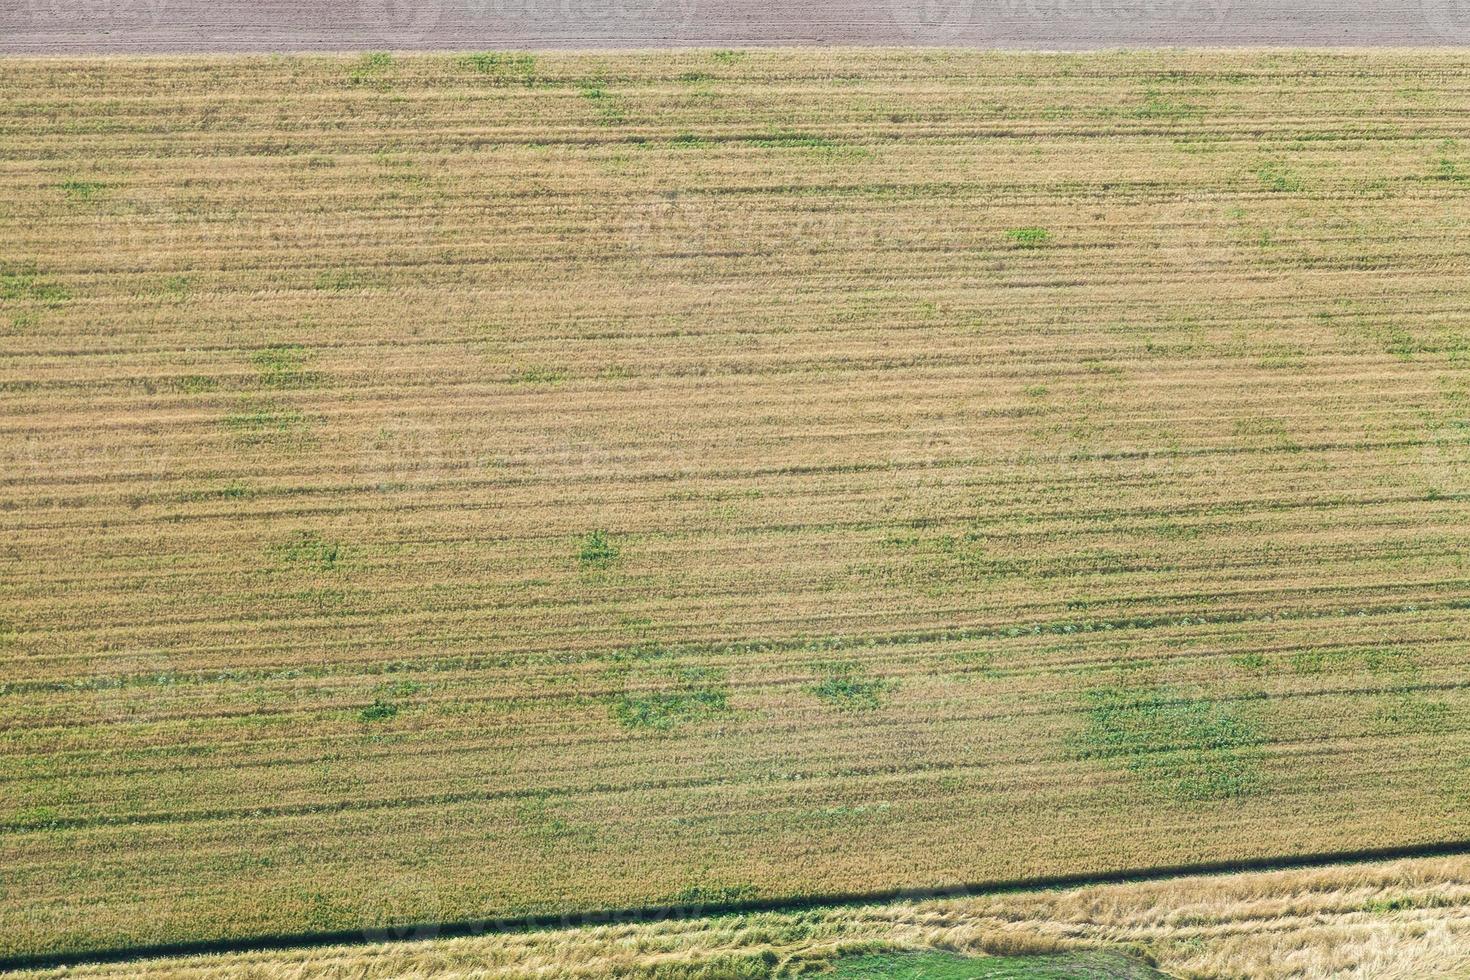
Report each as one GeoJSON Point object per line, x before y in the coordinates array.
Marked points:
{"type": "Point", "coordinates": [55, 26]}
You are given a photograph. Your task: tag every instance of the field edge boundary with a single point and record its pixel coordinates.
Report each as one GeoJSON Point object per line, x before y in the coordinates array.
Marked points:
{"type": "Point", "coordinates": [492, 924]}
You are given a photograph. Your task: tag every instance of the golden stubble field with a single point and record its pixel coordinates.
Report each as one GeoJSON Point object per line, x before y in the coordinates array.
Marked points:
{"type": "Point", "coordinates": [1390, 920]}
{"type": "Point", "coordinates": [437, 487]}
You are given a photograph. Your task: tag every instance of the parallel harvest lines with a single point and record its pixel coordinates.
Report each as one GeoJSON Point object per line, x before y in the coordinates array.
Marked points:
{"type": "Point", "coordinates": [573, 482]}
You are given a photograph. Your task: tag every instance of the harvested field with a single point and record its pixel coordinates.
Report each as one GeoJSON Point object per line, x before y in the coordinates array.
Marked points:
{"type": "Point", "coordinates": [442, 487]}
{"type": "Point", "coordinates": [1402, 920]}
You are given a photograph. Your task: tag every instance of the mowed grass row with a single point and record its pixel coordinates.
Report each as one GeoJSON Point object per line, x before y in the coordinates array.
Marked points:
{"type": "Point", "coordinates": [438, 487]}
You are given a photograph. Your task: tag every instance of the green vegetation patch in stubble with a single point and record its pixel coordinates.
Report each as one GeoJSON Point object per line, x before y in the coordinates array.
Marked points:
{"type": "Point", "coordinates": [381, 709]}
{"type": "Point", "coordinates": [948, 966]}
{"type": "Point", "coordinates": [792, 141]}
{"type": "Point", "coordinates": [1266, 433]}
{"type": "Point", "coordinates": [503, 67]}
{"type": "Point", "coordinates": [268, 424]}
{"type": "Point", "coordinates": [809, 143]}
{"type": "Point", "coordinates": [937, 965]}
{"type": "Point", "coordinates": [1410, 713]}
{"type": "Point", "coordinates": [371, 69]}
{"type": "Point", "coordinates": [284, 366]}
{"type": "Point", "coordinates": [547, 829]}
{"type": "Point", "coordinates": [939, 563]}
{"type": "Point", "coordinates": [342, 280]}
{"type": "Point", "coordinates": [400, 689]}
{"type": "Point", "coordinates": [849, 687]}
{"type": "Point", "coordinates": [1188, 748]}
{"type": "Point", "coordinates": [1157, 105]}
{"type": "Point", "coordinates": [191, 384]}
{"type": "Point", "coordinates": [1279, 179]}
{"type": "Point", "coordinates": [308, 549]}
{"type": "Point", "coordinates": [1028, 237]}
{"type": "Point", "coordinates": [597, 550]}
{"type": "Point", "coordinates": [390, 696]}
{"type": "Point", "coordinates": [234, 490]}
{"type": "Point", "coordinates": [82, 190]}
{"type": "Point", "coordinates": [610, 109]}
{"type": "Point", "coordinates": [1325, 660]}
{"type": "Point", "coordinates": [176, 287]}
{"type": "Point", "coordinates": [24, 283]}
{"type": "Point", "coordinates": [1450, 171]}
{"type": "Point", "coordinates": [1389, 904]}
{"type": "Point", "coordinates": [689, 694]}
{"type": "Point", "coordinates": [1382, 659]}
{"type": "Point", "coordinates": [540, 375]}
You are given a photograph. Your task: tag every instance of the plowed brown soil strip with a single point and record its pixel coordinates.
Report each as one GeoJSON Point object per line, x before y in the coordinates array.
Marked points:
{"type": "Point", "coordinates": [57, 27]}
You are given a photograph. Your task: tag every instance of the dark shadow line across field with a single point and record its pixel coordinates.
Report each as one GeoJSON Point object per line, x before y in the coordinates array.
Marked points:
{"type": "Point", "coordinates": [491, 925]}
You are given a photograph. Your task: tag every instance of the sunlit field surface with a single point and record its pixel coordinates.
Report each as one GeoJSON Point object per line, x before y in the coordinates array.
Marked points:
{"type": "Point", "coordinates": [443, 487]}
{"type": "Point", "coordinates": [1398, 920]}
